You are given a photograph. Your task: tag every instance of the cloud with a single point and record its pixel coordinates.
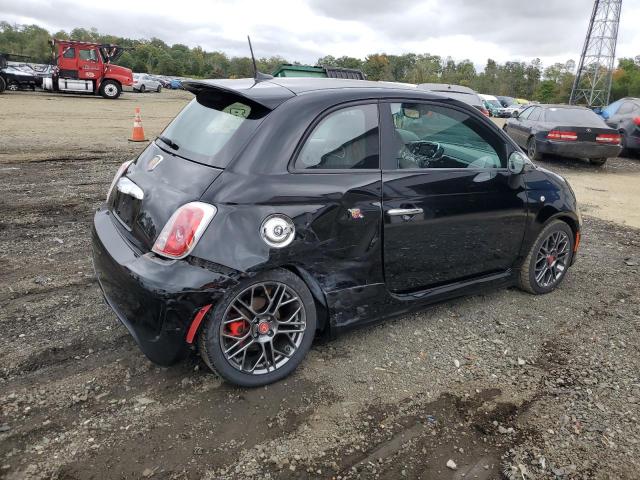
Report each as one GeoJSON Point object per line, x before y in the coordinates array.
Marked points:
{"type": "Point", "coordinates": [305, 30]}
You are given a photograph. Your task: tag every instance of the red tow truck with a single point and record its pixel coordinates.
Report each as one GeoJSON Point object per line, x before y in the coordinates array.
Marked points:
{"type": "Point", "coordinates": [86, 67]}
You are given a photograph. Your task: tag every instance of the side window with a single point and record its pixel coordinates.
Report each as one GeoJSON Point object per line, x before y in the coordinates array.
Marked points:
{"type": "Point", "coordinates": [69, 53]}
{"type": "Point", "coordinates": [88, 55]}
{"type": "Point", "coordinates": [535, 114]}
{"type": "Point", "coordinates": [345, 139]}
{"type": "Point", "coordinates": [430, 136]}
{"type": "Point", "coordinates": [525, 114]}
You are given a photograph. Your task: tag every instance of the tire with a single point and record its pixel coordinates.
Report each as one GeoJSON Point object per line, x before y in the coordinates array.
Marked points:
{"type": "Point", "coordinates": [527, 280]}
{"type": "Point", "coordinates": [142, 88]}
{"type": "Point", "coordinates": [286, 354]}
{"type": "Point", "coordinates": [13, 86]}
{"type": "Point", "coordinates": [3, 84]}
{"type": "Point", "coordinates": [159, 89]}
{"type": "Point", "coordinates": [598, 162]}
{"type": "Point", "coordinates": [532, 149]}
{"type": "Point", "coordinates": [110, 89]}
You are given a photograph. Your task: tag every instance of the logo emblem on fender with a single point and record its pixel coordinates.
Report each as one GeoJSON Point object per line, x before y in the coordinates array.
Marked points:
{"type": "Point", "coordinates": [355, 213]}
{"type": "Point", "coordinates": [154, 162]}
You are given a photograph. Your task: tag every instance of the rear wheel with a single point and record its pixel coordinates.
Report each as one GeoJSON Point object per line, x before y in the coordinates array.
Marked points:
{"type": "Point", "coordinates": [142, 88]}
{"type": "Point", "coordinates": [598, 162]}
{"type": "Point", "coordinates": [159, 89]}
{"type": "Point", "coordinates": [532, 149]}
{"type": "Point", "coordinates": [261, 330]}
{"type": "Point", "coordinates": [110, 89]}
{"type": "Point", "coordinates": [548, 260]}
{"type": "Point", "coordinates": [3, 84]}
{"type": "Point", "coordinates": [13, 86]}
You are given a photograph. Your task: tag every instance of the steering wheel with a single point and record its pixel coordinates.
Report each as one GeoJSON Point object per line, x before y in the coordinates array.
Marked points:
{"type": "Point", "coordinates": [425, 152]}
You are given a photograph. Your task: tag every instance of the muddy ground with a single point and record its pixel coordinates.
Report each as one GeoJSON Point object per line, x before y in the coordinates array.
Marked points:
{"type": "Point", "coordinates": [504, 385]}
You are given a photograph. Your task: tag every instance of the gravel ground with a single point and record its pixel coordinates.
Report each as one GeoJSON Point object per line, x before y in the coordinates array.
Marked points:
{"type": "Point", "coordinates": [500, 385]}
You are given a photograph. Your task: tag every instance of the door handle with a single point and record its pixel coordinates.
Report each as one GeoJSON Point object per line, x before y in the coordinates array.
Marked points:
{"type": "Point", "coordinates": [397, 212]}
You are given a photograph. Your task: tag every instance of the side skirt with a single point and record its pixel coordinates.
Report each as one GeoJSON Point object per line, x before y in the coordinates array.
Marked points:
{"type": "Point", "coordinates": [369, 304]}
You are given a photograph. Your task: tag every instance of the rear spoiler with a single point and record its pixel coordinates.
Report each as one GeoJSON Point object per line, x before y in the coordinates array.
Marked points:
{"type": "Point", "coordinates": [265, 94]}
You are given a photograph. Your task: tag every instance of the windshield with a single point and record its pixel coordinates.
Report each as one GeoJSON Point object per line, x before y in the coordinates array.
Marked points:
{"type": "Point", "coordinates": [212, 128]}
{"type": "Point", "coordinates": [573, 116]}
{"type": "Point", "coordinates": [494, 103]}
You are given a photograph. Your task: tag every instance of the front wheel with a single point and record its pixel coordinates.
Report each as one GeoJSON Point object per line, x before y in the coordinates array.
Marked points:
{"type": "Point", "coordinates": [110, 89]}
{"type": "Point", "coordinates": [3, 84]}
{"type": "Point", "coordinates": [142, 88]}
{"type": "Point", "coordinates": [159, 89]}
{"type": "Point", "coordinates": [261, 330]}
{"type": "Point", "coordinates": [13, 86]}
{"type": "Point", "coordinates": [548, 260]}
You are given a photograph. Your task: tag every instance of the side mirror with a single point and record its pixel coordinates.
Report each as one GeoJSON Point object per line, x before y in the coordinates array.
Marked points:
{"type": "Point", "coordinates": [515, 114]}
{"type": "Point", "coordinates": [517, 162]}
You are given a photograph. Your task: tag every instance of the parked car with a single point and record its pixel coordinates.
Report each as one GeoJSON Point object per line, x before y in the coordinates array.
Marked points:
{"type": "Point", "coordinates": [16, 78]}
{"type": "Point", "coordinates": [143, 82]}
{"type": "Point", "coordinates": [175, 84]}
{"type": "Point", "coordinates": [506, 101]}
{"type": "Point", "coordinates": [493, 106]}
{"type": "Point", "coordinates": [163, 82]}
{"type": "Point", "coordinates": [265, 215]}
{"type": "Point", "coordinates": [624, 116]}
{"type": "Point", "coordinates": [564, 130]}
{"type": "Point", "coordinates": [464, 94]}
{"type": "Point", "coordinates": [513, 110]}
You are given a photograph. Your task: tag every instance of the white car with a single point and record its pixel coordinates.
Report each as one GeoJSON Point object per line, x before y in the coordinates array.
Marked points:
{"type": "Point", "coordinates": [511, 109]}
{"type": "Point", "coordinates": [143, 82]}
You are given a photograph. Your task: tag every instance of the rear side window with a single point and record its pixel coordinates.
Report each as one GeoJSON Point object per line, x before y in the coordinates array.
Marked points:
{"type": "Point", "coordinates": [213, 128]}
{"type": "Point", "coordinates": [344, 140]}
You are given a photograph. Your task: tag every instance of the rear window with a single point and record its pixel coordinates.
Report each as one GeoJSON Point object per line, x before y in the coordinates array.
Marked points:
{"type": "Point", "coordinates": [572, 116]}
{"type": "Point", "coordinates": [213, 128]}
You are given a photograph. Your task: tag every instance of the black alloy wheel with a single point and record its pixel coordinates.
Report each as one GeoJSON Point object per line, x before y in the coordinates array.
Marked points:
{"type": "Point", "coordinates": [261, 331]}
{"type": "Point", "coordinates": [548, 260]}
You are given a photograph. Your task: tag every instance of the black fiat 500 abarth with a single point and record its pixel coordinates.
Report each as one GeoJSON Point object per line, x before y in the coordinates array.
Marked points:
{"type": "Point", "coordinates": [270, 211]}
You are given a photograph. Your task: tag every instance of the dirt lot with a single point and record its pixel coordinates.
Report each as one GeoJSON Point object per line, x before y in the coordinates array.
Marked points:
{"type": "Point", "coordinates": [506, 385]}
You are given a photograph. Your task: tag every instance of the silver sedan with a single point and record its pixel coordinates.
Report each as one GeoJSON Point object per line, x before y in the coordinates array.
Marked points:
{"type": "Point", "coordinates": [143, 82]}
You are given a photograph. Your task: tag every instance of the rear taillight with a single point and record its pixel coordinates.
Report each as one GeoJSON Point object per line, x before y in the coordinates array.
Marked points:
{"type": "Point", "coordinates": [123, 168]}
{"type": "Point", "coordinates": [183, 230]}
{"type": "Point", "coordinates": [562, 135]}
{"type": "Point", "coordinates": [485, 112]}
{"type": "Point", "coordinates": [636, 120]}
{"type": "Point", "coordinates": [610, 138]}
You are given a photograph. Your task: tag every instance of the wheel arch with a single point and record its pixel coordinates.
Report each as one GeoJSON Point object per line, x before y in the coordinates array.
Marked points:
{"type": "Point", "coordinates": [549, 213]}
{"type": "Point", "coordinates": [319, 298]}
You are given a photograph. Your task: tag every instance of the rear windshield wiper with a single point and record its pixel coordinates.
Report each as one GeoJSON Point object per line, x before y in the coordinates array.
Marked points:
{"type": "Point", "coordinates": [169, 142]}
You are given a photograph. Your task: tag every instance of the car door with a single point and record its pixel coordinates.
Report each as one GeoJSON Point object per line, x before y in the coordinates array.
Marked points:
{"type": "Point", "coordinates": [618, 119]}
{"type": "Point", "coordinates": [519, 128]}
{"type": "Point", "coordinates": [451, 209]}
{"type": "Point", "coordinates": [88, 66]}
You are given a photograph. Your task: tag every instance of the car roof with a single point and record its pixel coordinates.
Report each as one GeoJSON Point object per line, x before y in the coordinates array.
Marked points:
{"type": "Point", "coordinates": [272, 92]}
{"type": "Point", "coordinates": [559, 105]}
{"type": "Point", "coordinates": [446, 87]}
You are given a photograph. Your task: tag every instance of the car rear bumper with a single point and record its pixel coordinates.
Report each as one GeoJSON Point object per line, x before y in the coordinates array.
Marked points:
{"type": "Point", "coordinates": [578, 149]}
{"type": "Point", "coordinates": [155, 299]}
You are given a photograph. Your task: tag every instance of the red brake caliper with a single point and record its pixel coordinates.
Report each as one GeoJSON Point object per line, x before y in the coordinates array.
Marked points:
{"type": "Point", "coordinates": [237, 329]}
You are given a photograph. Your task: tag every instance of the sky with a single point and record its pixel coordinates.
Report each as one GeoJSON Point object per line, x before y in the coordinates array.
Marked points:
{"type": "Point", "coordinates": [305, 30]}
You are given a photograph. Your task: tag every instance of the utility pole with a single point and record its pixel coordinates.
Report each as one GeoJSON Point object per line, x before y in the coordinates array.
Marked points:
{"type": "Point", "coordinates": [592, 84]}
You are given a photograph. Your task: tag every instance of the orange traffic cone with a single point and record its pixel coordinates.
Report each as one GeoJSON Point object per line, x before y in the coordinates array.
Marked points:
{"type": "Point", "coordinates": [138, 132]}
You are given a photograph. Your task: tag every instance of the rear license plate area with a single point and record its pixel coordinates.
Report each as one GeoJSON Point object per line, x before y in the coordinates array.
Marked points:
{"type": "Point", "coordinates": [125, 208]}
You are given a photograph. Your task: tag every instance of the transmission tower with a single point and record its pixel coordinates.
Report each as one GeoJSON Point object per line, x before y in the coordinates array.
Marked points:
{"type": "Point", "coordinates": [593, 79]}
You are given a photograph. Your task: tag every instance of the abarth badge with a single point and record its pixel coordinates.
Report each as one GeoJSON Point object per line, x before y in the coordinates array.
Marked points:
{"type": "Point", "coordinates": [355, 213]}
